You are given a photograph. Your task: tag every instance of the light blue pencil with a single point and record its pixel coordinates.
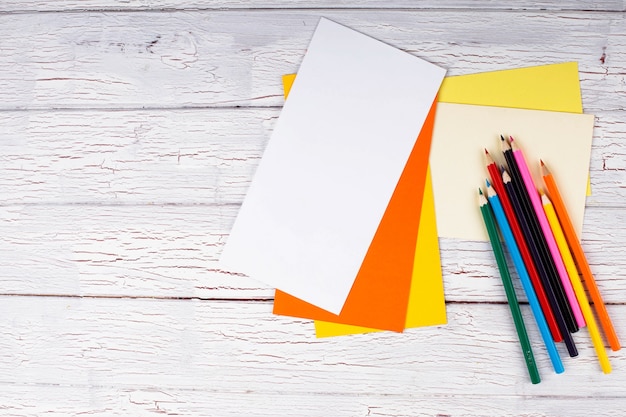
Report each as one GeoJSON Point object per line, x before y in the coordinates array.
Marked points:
{"type": "Point", "coordinates": [505, 229]}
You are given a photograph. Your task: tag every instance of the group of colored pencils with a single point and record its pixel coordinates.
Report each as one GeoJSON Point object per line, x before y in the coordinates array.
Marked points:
{"type": "Point", "coordinates": [547, 256]}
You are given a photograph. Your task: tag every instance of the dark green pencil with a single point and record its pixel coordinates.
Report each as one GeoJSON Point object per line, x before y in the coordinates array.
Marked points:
{"type": "Point", "coordinates": [508, 288]}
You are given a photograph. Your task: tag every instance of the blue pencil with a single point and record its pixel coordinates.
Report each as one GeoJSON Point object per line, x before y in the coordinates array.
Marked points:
{"type": "Point", "coordinates": [505, 229]}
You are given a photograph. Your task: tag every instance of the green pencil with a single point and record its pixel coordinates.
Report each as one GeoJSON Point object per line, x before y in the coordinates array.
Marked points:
{"type": "Point", "coordinates": [508, 288]}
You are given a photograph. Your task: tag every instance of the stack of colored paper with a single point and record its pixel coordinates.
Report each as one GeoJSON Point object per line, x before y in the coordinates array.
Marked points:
{"type": "Point", "coordinates": [331, 218]}
{"type": "Point", "coordinates": [342, 216]}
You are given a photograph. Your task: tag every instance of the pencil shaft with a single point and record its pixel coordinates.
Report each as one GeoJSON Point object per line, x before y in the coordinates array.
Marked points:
{"type": "Point", "coordinates": [581, 260]}
{"type": "Point", "coordinates": [526, 284]}
{"type": "Point", "coordinates": [548, 273]}
{"type": "Point", "coordinates": [578, 287]}
{"type": "Point", "coordinates": [549, 236]}
{"type": "Point", "coordinates": [567, 337]}
{"type": "Point", "coordinates": [529, 358]}
{"type": "Point", "coordinates": [551, 276]}
{"type": "Point", "coordinates": [498, 184]}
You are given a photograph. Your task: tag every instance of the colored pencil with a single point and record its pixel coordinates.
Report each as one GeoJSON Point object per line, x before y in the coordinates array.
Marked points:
{"type": "Point", "coordinates": [505, 229]}
{"type": "Point", "coordinates": [527, 351]}
{"type": "Point", "coordinates": [550, 275]}
{"type": "Point", "coordinates": [578, 286]}
{"type": "Point", "coordinates": [496, 182]}
{"type": "Point", "coordinates": [567, 337]}
{"type": "Point", "coordinates": [533, 193]}
{"type": "Point", "coordinates": [580, 258]}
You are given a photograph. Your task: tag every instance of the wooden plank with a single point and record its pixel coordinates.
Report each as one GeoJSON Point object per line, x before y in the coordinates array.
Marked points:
{"type": "Point", "coordinates": [131, 157]}
{"type": "Point", "coordinates": [84, 5]}
{"type": "Point", "coordinates": [168, 251]}
{"type": "Point", "coordinates": [227, 58]}
{"type": "Point", "coordinates": [172, 251]}
{"type": "Point", "coordinates": [111, 401]}
{"type": "Point", "coordinates": [193, 156]}
{"type": "Point", "coordinates": [240, 347]}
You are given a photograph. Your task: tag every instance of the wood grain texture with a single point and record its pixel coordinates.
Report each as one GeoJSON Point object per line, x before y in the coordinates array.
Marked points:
{"type": "Point", "coordinates": [215, 59]}
{"type": "Point", "coordinates": [116, 5]}
{"type": "Point", "coordinates": [131, 157]}
{"type": "Point", "coordinates": [58, 400]}
{"type": "Point", "coordinates": [240, 346]}
{"type": "Point", "coordinates": [129, 134]}
{"type": "Point", "coordinates": [172, 251]}
{"type": "Point", "coordinates": [184, 156]}
{"type": "Point", "coordinates": [114, 357]}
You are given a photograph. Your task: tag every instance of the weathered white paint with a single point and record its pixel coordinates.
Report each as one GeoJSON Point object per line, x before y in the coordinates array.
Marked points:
{"type": "Point", "coordinates": [186, 156]}
{"type": "Point", "coordinates": [115, 5]}
{"type": "Point", "coordinates": [224, 346]}
{"type": "Point", "coordinates": [226, 58]}
{"type": "Point", "coordinates": [172, 251]}
{"type": "Point", "coordinates": [124, 159]}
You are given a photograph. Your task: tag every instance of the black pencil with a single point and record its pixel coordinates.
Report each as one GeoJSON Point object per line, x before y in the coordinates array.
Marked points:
{"type": "Point", "coordinates": [551, 276]}
{"type": "Point", "coordinates": [567, 337]}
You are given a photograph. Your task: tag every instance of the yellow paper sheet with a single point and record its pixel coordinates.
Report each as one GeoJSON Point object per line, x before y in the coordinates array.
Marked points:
{"type": "Point", "coordinates": [547, 87]}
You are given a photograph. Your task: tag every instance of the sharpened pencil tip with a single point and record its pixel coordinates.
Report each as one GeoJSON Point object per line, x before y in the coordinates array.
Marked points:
{"type": "Point", "coordinates": [488, 158]}
{"type": "Point", "coordinates": [502, 138]}
{"type": "Point", "coordinates": [488, 183]}
{"type": "Point", "coordinates": [542, 164]}
{"type": "Point", "coordinates": [480, 191]}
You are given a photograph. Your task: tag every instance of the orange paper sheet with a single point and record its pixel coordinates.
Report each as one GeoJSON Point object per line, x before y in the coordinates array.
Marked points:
{"type": "Point", "coordinates": [427, 305]}
{"type": "Point", "coordinates": [388, 265]}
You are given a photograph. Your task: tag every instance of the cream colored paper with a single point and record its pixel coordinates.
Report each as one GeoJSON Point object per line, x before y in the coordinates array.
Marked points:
{"type": "Point", "coordinates": [553, 87]}
{"type": "Point", "coordinates": [462, 132]}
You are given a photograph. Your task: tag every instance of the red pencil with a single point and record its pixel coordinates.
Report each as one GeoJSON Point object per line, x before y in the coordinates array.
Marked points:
{"type": "Point", "coordinates": [496, 181]}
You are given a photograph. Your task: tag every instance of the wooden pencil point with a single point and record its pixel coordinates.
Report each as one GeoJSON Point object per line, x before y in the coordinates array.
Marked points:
{"type": "Point", "coordinates": [506, 178]}
{"type": "Point", "coordinates": [488, 158]}
{"type": "Point", "coordinates": [482, 200]}
{"type": "Point", "coordinates": [504, 144]}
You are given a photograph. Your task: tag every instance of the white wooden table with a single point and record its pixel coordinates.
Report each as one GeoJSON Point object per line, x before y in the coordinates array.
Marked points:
{"type": "Point", "coordinates": [129, 132]}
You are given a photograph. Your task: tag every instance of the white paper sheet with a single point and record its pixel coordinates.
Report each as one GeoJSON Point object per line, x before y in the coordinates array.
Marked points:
{"type": "Point", "coordinates": [462, 133]}
{"type": "Point", "coordinates": [331, 165]}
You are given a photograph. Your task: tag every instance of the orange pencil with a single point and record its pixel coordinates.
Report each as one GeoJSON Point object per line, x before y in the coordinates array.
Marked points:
{"type": "Point", "coordinates": [580, 258]}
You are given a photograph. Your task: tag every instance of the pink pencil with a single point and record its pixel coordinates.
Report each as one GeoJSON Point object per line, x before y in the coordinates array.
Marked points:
{"type": "Point", "coordinates": [547, 231]}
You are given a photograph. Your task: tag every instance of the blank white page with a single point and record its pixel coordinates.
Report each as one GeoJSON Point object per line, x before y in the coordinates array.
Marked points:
{"type": "Point", "coordinates": [331, 165]}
